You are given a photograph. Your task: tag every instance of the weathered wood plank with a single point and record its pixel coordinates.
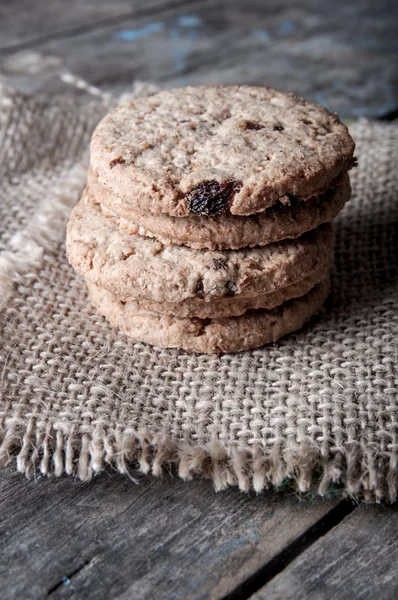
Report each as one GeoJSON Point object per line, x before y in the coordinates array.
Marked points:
{"type": "Point", "coordinates": [310, 48]}
{"type": "Point", "coordinates": [163, 538]}
{"type": "Point", "coordinates": [22, 24]}
{"type": "Point", "coordinates": [358, 559]}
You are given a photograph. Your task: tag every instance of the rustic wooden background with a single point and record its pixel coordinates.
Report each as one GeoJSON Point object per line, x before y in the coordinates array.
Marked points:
{"type": "Point", "coordinates": [164, 538]}
{"type": "Point", "coordinates": [339, 53]}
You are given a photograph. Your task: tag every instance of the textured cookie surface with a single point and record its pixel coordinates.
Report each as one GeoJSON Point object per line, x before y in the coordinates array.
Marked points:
{"type": "Point", "coordinates": [213, 149]}
{"type": "Point", "coordinates": [211, 336]}
{"type": "Point", "coordinates": [232, 307]}
{"type": "Point", "coordinates": [229, 231]}
{"type": "Point", "coordinates": [132, 266]}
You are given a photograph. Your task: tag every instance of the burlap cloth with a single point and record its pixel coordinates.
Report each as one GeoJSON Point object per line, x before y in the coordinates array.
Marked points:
{"type": "Point", "coordinates": [318, 409]}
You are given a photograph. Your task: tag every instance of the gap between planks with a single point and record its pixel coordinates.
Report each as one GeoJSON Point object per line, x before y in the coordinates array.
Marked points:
{"type": "Point", "coordinates": [277, 564]}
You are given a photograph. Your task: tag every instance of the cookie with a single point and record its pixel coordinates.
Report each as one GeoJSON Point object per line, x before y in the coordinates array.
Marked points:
{"type": "Point", "coordinates": [233, 307]}
{"type": "Point", "coordinates": [228, 231]}
{"type": "Point", "coordinates": [211, 336]}
{"type": "Point", "coordinates": [209, 150]}
{"type": "Point", "coordinates": [133, 266]}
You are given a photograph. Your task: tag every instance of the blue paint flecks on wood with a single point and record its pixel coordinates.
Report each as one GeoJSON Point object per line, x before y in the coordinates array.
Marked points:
{"type": "Point", "coordinates": [189, 21]}
{"type": "Point", "coordinates": [129, 35]}
{"type": "Point", "coordinates": [286, 26]}
{"type": "Point", "coordinates": [182, 34]}
{"type": "Point", "coordinates": [389, 99]}
{"type": "Point", "coordinates": [260, 34]}
{"type": "Point", "coordinates": [320, 99]}
{"type": "Point", "coordinates": [359, 111]}
{"type": "Point", "coordinates": [180, 48]}
{"type": "Point", "coordinates": [388, 103]}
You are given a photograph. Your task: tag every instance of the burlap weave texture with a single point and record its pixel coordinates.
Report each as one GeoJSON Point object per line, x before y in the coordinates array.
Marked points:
{"type": "Point", "coordinates": [317, 407]}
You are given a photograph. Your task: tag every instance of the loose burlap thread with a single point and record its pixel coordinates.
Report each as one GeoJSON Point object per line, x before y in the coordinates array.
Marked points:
{"type": "Point", "coordinates": [318, 408]}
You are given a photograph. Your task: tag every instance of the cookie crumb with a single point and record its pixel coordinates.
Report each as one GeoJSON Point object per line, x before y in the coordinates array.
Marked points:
{"type": "Point", "coordinates": [353, 163]}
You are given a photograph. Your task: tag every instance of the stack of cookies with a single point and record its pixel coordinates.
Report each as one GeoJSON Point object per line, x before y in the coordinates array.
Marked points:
{"type": "Point", "coordinates": [206, 220]}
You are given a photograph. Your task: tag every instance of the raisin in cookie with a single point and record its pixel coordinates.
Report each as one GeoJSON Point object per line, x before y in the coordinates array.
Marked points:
{"type": "Point", "coordinates": [133, 266]}
{"type": "Point", "coordinates": [209, 150]}
{"type": "Point", "coordinates": [227, 231]}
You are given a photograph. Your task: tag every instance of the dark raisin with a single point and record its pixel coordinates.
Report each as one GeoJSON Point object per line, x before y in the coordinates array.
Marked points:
{"type": "Point", "coordinates": [256, 126]}
{"type": "Point", "coordinates": [230, 288]}
{"type": "Point", "coordinates": [211, 197]}
{"type": "Point", "coordinates": [116, 161]}
{"type": "Point", "coordinates": [199, 289]}
{"type": "Point", "coordinates": [219, 263]}
{"type": "Point", "coordinates": [278, 128]}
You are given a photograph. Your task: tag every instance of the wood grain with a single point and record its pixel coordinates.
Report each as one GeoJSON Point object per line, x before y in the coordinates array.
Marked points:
{"type": "Point", "coordinates": [163, 538]}
{"type": "Point", "coordinates": [358, 559]}
{"type": "Point", "coordinates": [342, 57]}
{"type": "Point", "coordinates": [23, 24]}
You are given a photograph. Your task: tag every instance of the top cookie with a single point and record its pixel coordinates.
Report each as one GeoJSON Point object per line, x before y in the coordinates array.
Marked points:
{"type": "Point", "coordinates": [213, 149]}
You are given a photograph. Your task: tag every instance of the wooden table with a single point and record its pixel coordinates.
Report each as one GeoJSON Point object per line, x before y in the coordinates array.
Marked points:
{"type": "Point", "coordinates": [164, 538]}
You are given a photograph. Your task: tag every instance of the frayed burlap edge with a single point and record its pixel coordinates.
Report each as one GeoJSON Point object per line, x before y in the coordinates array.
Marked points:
{"type": "Point", "coordinates": [64, 451]}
